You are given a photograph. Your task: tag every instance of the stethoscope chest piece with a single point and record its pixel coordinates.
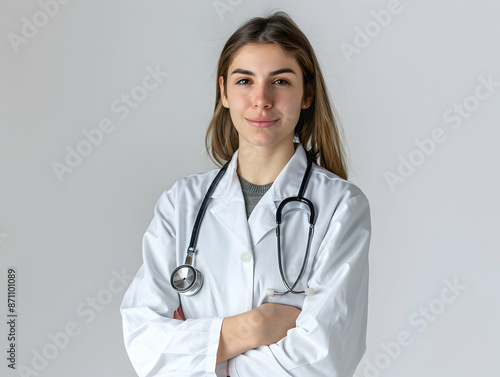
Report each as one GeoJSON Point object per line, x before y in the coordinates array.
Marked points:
{"type": "Point", "coordinates": [186, 280]}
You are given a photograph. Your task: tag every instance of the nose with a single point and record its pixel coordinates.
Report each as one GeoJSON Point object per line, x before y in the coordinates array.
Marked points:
{"type": "Point", "coordinates": [263, 97]}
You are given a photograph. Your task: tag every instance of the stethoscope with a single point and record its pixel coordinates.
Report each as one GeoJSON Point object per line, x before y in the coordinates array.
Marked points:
{"type": "Point", "coordinates": [187, 280]}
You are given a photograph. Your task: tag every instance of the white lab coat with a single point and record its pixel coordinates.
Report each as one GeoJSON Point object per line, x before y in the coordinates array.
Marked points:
{"type": "Point", "coordinates": [238, 260]}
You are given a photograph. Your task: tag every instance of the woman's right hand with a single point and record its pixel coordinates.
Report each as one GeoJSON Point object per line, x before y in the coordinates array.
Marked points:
{"type": "Point", "coordinates": [264, 325]}
{"type": "Point", "coordinates": [272, 321]}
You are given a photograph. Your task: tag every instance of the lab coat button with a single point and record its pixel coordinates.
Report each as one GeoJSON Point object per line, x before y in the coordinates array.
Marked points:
{"type": "Point", "coordinates": [245, 257]}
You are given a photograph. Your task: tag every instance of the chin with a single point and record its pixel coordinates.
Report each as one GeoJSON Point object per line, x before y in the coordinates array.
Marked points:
{"type": "Point", "coordinates": [267, 142]}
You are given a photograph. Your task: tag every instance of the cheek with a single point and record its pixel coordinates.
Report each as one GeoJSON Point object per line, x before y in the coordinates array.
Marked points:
{"type": "Point", "coordinates": [292, 106]}
{"type": "Point", "coordinates": [236, 117]}
{"type": "Point", "coordinates": [235, 101]}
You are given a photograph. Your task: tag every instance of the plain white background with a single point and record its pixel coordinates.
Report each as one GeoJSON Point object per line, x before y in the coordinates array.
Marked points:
{"type": "Point", "coordinates": [399, 72]}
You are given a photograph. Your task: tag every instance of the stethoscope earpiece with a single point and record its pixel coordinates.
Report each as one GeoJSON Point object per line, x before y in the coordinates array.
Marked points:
{"type": "Point", "coordinates": [269, 292]}
{"type": "Point", "coordinates": [309, 291]}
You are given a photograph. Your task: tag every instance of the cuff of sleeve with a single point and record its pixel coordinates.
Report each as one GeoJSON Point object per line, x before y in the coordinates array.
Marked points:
{"type": "Point", "coordinates": [213, 343]}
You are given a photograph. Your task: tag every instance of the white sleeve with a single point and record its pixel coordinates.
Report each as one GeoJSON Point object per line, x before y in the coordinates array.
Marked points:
{"type": "Point", "coordinates": [330, 337]}
{"type": "Point", "coordinates": [157, 344]}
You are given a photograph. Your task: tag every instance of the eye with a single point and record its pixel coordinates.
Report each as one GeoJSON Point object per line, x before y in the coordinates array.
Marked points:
{"type": "Point", "coordinates": [281, 82]}
{"type": "Point", "coordinates": [243, 82]}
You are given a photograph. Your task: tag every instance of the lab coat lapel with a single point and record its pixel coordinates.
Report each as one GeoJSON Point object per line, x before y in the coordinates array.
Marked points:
{"type": "Point", "coordinates": [262, 220]}
{"type": "Point", "coordinates": [229, 205]}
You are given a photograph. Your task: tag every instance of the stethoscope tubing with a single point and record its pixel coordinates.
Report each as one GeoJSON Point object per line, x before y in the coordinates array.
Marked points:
{"type": "Point", "coordinates": [312, 217]}
{"type": "Point", "coordinates": [304, 262]}
{"type": "Point", "coordinates": [203, 209]}
{"type": "Point", "coordinates": [187, 280]}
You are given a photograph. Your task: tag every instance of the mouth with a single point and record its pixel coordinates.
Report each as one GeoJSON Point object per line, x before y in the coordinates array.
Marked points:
{"type": "Point", "coordinates": [261, 123]}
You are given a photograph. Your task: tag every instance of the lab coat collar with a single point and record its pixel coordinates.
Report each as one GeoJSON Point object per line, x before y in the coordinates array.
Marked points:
{"type": "Point", "coordinates": [286, 184]}
{"type": "Point", "coordinates": [288, 181]}
{"type": "Point", "coordinates": [231, 212]}
{"type": "Point", "coordinates": [228, 180]}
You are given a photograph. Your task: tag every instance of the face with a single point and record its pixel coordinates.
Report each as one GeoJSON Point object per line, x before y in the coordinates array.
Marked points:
{"type": "Point", "coordinates": [264, 96]}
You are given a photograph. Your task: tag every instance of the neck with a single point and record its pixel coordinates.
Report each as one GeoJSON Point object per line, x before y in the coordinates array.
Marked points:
{"type": "Point", "coordinates": [260, 165]}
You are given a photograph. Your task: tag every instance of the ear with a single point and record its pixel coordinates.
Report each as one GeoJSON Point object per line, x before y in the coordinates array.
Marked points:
{"type": "Point", "coordinates": [223, 96]}
{"type": "Point", "coordinates": [306, 102]}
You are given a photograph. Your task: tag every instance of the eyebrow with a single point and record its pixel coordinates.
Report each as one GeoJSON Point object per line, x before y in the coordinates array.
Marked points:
{"type": "Point", "coordinates": [273, 73]}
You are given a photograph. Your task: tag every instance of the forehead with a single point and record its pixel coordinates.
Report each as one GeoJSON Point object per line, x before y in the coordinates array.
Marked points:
{"type": "Point", "coordinates": [264, 55]}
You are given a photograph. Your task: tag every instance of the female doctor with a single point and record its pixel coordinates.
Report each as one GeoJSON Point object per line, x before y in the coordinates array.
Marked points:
{"type": "Point", "coordinates": [230, 292]}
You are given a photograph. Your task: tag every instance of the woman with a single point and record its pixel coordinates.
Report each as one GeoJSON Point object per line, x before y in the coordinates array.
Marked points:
{"type": "Point", "coordinates": [270, 93]}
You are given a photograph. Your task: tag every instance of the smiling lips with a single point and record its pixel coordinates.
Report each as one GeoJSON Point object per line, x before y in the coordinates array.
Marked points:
{"type": "Point", "coordinates": [261, 123]}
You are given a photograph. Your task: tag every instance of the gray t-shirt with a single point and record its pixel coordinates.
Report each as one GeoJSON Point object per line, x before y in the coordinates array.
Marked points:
{"type": "Point", "coordinates": [252, 194]}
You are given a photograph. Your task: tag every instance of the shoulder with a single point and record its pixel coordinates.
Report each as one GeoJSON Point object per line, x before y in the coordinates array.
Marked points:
{"type": "Point", "coordinates": [330, 183]}
{"type": "Point", "coordinates": [195, 180]}
{"type": "Point", "coordinates": [343, 203]}
{"type": "Point", "coordinates": [190, 187]}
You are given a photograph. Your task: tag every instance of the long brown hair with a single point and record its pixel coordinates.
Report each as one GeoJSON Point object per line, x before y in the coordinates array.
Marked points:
{"type": "Point", "coordinates": [317, 128]}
